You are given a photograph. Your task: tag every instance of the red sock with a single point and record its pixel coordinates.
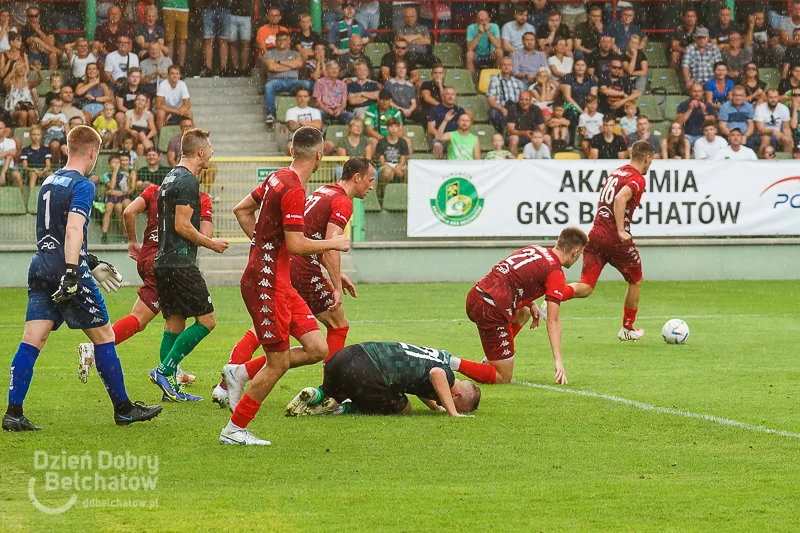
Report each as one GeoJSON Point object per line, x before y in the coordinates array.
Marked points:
{"type": "Point", "coordinates": [125, 328]}
{"type": "Point", "coordinates": [480, 372]}
{"type": "Point", "coordinates": [336, 339]}
{"type": "Point", "coordinates": [254, 365]}
{"type": "Point", "coordinates": [515, 329]}
{"type": "Point", "coordinates": [245, 411]}
{"type": "Point", "coordinates": [244, 349]}
{"type": "Point", "coordinates": [569, 293]}
{"type": "Point", "coordinates": [628, 317]}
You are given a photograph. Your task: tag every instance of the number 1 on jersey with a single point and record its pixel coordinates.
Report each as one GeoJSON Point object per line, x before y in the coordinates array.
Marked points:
{"type": "Point", "coordinates": [46, 198]}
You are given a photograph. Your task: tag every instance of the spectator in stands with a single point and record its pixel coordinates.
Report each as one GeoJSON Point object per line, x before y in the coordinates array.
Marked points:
{"type": "Point", "coordinates": [536, 149]}
{"type": "Point", "coordinates": [587, 34]}
{"type": "Point", "coordinates": [377, 115]}
{"type": "Point", "coordinates": [67, 95]}
{"type": "Point", "coordinates": [305, 40]}
{"type": "Point", "coordinates": [399, 52]}
{"type": "Point", "coordinates": [430, 92]}
{"type": "Point", "coordinates": [22, 100]}
{"type": "Point", "coordinates": [576, 87]}
{"type": "Point", "coordinates": [684, 37]}
{"type": "Point", "coordinates": [119, 61]}
{"type": "Point", "coordinates": [558, 127]}
{"type": "Point", "coordinates": [754, 87]}
{"type": "Point", "coordinates": [627, 124]}
{"type": "Point", "coordinates": [107, 126]}
{"type": "Point", "coordinates": [608, 145]}
{"type": "Point", "coordinates": [443, 14]}
{"type": "Point", "coordinates": [154, 69]}
{"type": "Point", "coordinates": [125, 96]}
{"type": "Point", "coordinates": [267, 35]}
{"type": "Point", "coordinates": [147, 32]}
{"type": "Point", "coordinates": [675, 145]}
{"type": "Point", "coordinates": [404, 94]}
{"type": "Point", "coordinates": [543, 91]}
{"type": "Point", "coordinates": [106, 38]}
{"type": "Point", "coordinates": [368, 14]}
{"type": "Point", "coordinates": [624, 28]}
{"type": "Point", "coordinates": [216, 25]}
{"type": "Point", "coordinates": [616, 89]}
{"type": "Point", "coordinates": [172, 99]}
{"type": "Point", "coordinates": [240, 31]}
{"type": "Point", "coordinates": [93, 92]}
{"type": "Point", "coordinates": [10, 58]}
{"type": "Point", "coordinates": [528, 61]}
{"type": "Point", "coordinates": [560, 63]}
{"type": "Point", "coordinates": [355, 143]}
{"type": "Point", "coordinates": [764, 39]}
{"type": "Point", "coordinates": [174, 146]}
{"type": "Point", "coordinates": [547, 34]}
{"type": "Point", "coordinates": [117, 191]}
{"type": "Point", "coordinates": [590, 124]}
{"type": "Point", "coordinates": [790, 24]}
{"type": "Point", "coordinates": [721, 31]}
{"type": "Point", "coordinates": [484, 45]}
{"type": "Point", "coordinates": [36, 158]}
{"type": "Point", "coordinates": [437, 116]}
{"type": "Point", "coordinates": [330, 96]}
{"type": "Point", "coordinates": [710, 144]}
{"type": "Point", "coordinates": [766, 152]}
{"type": "Point", "coordinates": [392, 153]}
{"type": "Point", "coordinates": [735, 56]}
{"type": "Point", "coordinates": [503, 92]}
{"type": "Point", "coordinates": [56, 82]}
{"type": "Point", "coordinates": [786, 86]}
{"type": "Point", "coordinates": [498, 148]}
{"type": "Point", "coordinates": [78, 55]}
{"type": "Point", "coordinates": [794, 123]}
{"type": "Point", "coordinates": [417, 35]}
{"type": "Point", "coordinates": [140, 125]}
{"type": "Point", "coordinates": [283, 66]}
{"type": "Point", "coordinates": [153, 173]}
{"type": "Point", "coordinates": [643, 133]}
{"type": "Point", "coordinates": [462, 144]}
{"type": "Point", "coordinates": [8, 151]}
{"type": "Point", "coordinates": [355, 54]}
{"type": "Point", "coordinates": [537, 12]}
{"type": "Point", "coordinates": [303, 115]}
{"type": "Point", "coordinates": [340, 33]}
{"type": "Point", "coordinates": [514, 30]}
{"type": "Point", "coordinates": [54, 123]}
{"type": "Point", "coordinates": [699, 59]}
{"type": "Point", "coordinates": [693, 112]}
{"type": "Point", "coordinates": [718, 88]}
{"type": "Point", "coordinates": [175, 14]}
{"type": "Point", "coordinates": [361, 92]}
{"type": "Point", "coordinates": [523, 120]}
{"type": "Point", "coordinates": [792, 55]}
{"type": "Point", "coordinates": [736, 114]}
{"type": "Point", "coordinates": [772, 120]}
{"type": "Point", "coordinates": [314, 68]}
{"type": "Point", "coordinates": [737, 151]}
{"type": "Point", "coordinates": [635, 65]}
{"type": "Point", "coordinates": [40, 43]}
{"type": "Point", "coordinates": [599, 60]}
{"type": "Point", "coordinates": [6, 25]}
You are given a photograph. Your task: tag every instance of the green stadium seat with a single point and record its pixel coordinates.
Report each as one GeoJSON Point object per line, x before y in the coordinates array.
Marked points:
{"type": "Point", "coordinates": [282, 105]}
{"type": "Point", "coordinates": [424, 74]}
{"type": "Point", "coordinates": [45, 87]}
{"type": "Point", "coordinates": [478, 105]}
{"type": "Point", "coordinates": [461, 80]}
{"type": "Point", "coordinates": [416, 134]}
{"type": "Point", "coordinates": [335, 131]}
{"type": "Point", "coordinates": [783, 155]}
{"type": "Point", "coordinates": [484, 133]}
{"type": "Point", "coordinates": [23, 134]}
{"type": "Point", "coordinates": [656, 55]}
{"type": "Point", "coordinates": [660, 129]}
{"type": "Point", "coordinates": [649, 106]}
{"type": "Point", "coordinates": [395, 197]}
{"type": "Point", "coordinates": [375, 52]}
{"type": "Point", "coordinates": [164, 137]}
{"type": "Point", "coordinates": [372, 204]}
{"type": "Point", "coordinates": [33, 200]}
{"type": "Point", "coordinates": [11, 201]}
{"type": "Point", "coordinates": [671, 107]}
{"type": "Point", "coordinates": [449, 54]}
{"type": "Point", "coordinates": [421, 155]}
{"type": "Point", "coordinates": [771, 76]}
{"type": "Point", "coordinates": [667, 79]}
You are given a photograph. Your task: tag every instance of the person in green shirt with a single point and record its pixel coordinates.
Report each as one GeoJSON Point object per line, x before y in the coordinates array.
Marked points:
{"type": "Point", "coordinates": [153, 173]}
{"type": "Point", "coordinates": [378, 114]}
{"type": "Point", "coordinates": [463, 144]}
{"type": "Point", "coordinates": [498, 148]}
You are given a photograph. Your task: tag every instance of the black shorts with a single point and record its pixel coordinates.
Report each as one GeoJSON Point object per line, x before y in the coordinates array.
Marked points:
{"type": "Point", "coordinates": [183, 292]}
{"type": "Point", "coordinates": [351, 374]}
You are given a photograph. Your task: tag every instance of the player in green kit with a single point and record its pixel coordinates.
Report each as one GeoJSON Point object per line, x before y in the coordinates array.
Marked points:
{"type": "Point", "coordinates": [376, 376]}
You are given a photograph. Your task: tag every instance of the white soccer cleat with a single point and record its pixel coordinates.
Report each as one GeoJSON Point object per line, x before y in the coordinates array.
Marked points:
{"type": "Point", "coordinates": [634, 334]}
{"type": "Point", "coordinates": [234, 383]}
{"type": "Point", "coordinates": [85, 360]}
{"type": "Point", "coordinates": [220, 397]}
{"type": "Point", "coordinates": [240, 437]}
{"type": "Point", "coordinates": [543, 309]}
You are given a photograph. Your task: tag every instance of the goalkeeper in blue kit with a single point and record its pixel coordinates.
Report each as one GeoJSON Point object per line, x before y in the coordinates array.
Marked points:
{"type": "Point", "coordinates": [61, 287]}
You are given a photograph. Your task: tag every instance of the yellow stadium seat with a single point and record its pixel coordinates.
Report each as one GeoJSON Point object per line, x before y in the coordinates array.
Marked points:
{"type": "Point", "coordinates": [486, 77]}
{"type": "Point", "coordinates": [567, 155]}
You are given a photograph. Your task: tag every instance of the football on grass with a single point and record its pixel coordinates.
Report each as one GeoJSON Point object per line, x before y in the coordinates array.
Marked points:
{"type": "Point", "coordinates": [675, 331]}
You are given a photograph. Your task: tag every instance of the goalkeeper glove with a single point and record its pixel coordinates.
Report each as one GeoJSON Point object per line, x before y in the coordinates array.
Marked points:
{"type": "Point", "coordinates": [68, 286]}
{"type": "Point", "coordinates": [105, 274]}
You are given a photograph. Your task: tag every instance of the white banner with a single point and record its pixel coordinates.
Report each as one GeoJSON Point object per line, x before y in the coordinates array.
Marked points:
{"type": "Point", "coordinates": [525, 198]}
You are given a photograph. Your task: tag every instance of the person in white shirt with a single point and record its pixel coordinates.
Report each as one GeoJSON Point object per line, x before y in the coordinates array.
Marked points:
{"type": "Point", "coordinates": [172, 99]}
{"type": "Point", "coordinates": [736, 151]}
{"type": "Point", "coordinates": [8, 151]}
{"type": "Point", "coordinates": [120, 60]}
{"type": "Point", "coordinates": [708, 146]}
{"type": "Point", "coordinates": [513, 31]}
{"type": "Point", "coordinates": [771, 119]}
{"type": "Point", "coordinates": [79, 55]}
{"type": "Point", "coordinates": [536, 149]}
{"type": "Point", "coordinates": [302, 115]}
{"type": "Point", "coordinates": [589, 123]}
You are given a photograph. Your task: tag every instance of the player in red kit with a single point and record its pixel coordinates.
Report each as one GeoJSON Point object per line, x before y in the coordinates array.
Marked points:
{"type": "Point", "coordinates": [610, 239]}
{"type": "Point", "coordinates": [146, 307]}
{"type": "Point", "coordinates": [503, 301]}
{"type": "Point", "coordinates": [327, 212]}
{"type": "Point", "coordinates": [274, 305]}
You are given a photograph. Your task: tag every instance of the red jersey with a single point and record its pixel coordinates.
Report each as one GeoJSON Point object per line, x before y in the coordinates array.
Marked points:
{"type": "Point", "coordinates": [327, 205]}
{"type": "Point", "coordinates": [150, 197]}
{"type": "Point", "coordinates": [604, 222]}
{"type": "Point", "coordinates": [281, 198]}
{"type": "Point", "coordinates": [522, 277]}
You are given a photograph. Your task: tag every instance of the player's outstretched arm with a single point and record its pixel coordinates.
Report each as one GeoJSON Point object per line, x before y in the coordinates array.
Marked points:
{"type": "Point", "coordinates": [554, 333]}
{"type": "Point", "coordinates": [442, 388]}
{"type": "Point", "coordinates": [184, 228]}
{"type": "Point", "coordinates": [129, 216]}
{"type": "Point", "coordinates": [245, 213]}
{"type": "Point", "coordinates": [620, 204]}
{"type": "Point", "coordinates": [299, 244]}
{"type": "Point", "coordinates": [333, 264]}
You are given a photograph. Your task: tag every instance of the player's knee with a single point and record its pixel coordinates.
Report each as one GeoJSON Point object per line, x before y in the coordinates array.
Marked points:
{"type": "Point", "coordinates": [209, 321]}
{"type": "Point", "coordinates": [317, 350]}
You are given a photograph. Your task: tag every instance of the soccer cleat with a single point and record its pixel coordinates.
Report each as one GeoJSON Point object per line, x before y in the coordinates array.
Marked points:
{"type": "Point", "coordinates": [240, 437]}
{"type": "Point", "coordinates": [13, 423]}
{"type": "Point", "coordinates": [139, 413]}
{"type": "Point", "coordinates": [328, 406]}
{"type": "Point", "coordinates": [167, 384]}
{"type": "Point", "coordinates": [634, 334]}
{"type": "Point", "coordinates": [220, 396]}
{"type": "Point", "coordinates": [298, 405]}
{"type": "Point", "coordinates": [234, 384]}
{"type": "Point", "coordinates": [186, 397]}
{"type": "Point", "coordinates": [183, 377]}
{"type": "Point", "coordinates": [543, 309]}
{"type": "Point", "coordinates": [85, 360]}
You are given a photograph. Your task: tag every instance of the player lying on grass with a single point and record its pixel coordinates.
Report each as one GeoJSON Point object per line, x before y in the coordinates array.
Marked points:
{"type": "Point", "coordinates": [503, 301]}
{"type": "Point", "coordinates": [377, 376]}
{"type": "Point", "coordinates": [327, 212]}
{"type": "Point", "coordinates": [61, 288]}
{"type": "Point", "coordinates": [146, 306]}
{"type": "Point", "coordinates": [610, 239]}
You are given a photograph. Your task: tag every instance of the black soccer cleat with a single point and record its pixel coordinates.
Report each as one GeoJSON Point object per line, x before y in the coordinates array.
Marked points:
{"type": "Point", "coordinates": [139, 413]}
{"type": "Point", "coordinates": [12, 423]}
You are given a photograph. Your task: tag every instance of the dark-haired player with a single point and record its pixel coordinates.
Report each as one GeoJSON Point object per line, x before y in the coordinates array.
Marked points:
{"type": "Point", "coordinates": [610, 239]}
{"type": "Point", "coordinates": [376, 376]}
{"type": "Point", "coordinates": [266, 282]}
{"type": "Point", "coordinates": [327, 212]}
{"type": "Point", "coordinates": [503, 301]}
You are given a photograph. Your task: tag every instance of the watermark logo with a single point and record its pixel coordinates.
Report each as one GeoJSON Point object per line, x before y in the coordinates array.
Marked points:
{"type": "Point", "coordinates": [457, 202]}
{"type": "Point", "coordinates": [124, 479]}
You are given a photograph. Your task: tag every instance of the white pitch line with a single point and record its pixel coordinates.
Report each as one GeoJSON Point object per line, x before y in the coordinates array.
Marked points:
{"type": "Point", "coordinates": [663, 410]}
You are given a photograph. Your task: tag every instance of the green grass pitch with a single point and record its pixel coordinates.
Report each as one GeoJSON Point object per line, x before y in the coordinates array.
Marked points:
{"type": "Point", "coordinates": [530, 460]}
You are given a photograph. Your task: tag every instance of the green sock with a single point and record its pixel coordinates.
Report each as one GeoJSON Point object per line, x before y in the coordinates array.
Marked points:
{"type": "Point", "coordinates": [184, 344]}
{"type": "Point", "coordinates": [318, 396]}
{"type": "Point", "coordinates": [167, 342]}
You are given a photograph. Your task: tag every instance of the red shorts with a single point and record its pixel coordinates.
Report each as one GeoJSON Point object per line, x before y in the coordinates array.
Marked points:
{"type": "Point", "coordinates": [494, 327]}
{"type": "Point", "coordinates": [312, 286]}
{"type": "Point", "coordinates": [276, 315]}
{"type": "Point", "coordinates": [147, 292]}
{"type": "Point", "coordinates": [622, 256]}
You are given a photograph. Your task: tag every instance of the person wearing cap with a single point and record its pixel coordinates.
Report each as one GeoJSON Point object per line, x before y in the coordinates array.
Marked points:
{"type": "Point", "coordinates": [699, 59]}
{"type": "Point", "coordinates": [340, 33]}
{"type": "Point", "coordinates": [378, 115]}
{"type": "Point", "coordinates": [737, 151]}
{"type": "Point", "coordinates": [153, 173]}
{"type": "Point", "coordinates": [599, 61]}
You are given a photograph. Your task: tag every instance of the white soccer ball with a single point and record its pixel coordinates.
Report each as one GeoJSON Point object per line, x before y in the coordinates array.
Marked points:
{"type": "Point", "coordinates": [675, 331]}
